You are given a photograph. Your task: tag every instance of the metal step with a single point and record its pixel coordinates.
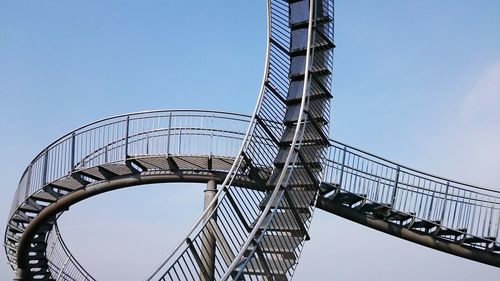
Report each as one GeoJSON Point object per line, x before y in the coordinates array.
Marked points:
{"type": "Point", "coordinates": [11, 246]}
{"type": "Point", "coordinates": [347, 198]}
{"type": "Point", "coordinates": [190, 162]}
{"type": "Point", "coordinates": [312, 155]}
{"type": "Point", "coordinates": [298, 72]}
{"type": "Point", "coordinates": [44, 197]}
{"type": "Point", "coordinates": [15, 229]}
{"type": "Point", "coordinates": [301, 199]}
{"type": "Point", "coordinates": [317, 91]}
{"type": "Point", "coordinates": [285, 221]}
{"type": "Point", "coordinates": [281, 244]}
{"type": "Point", "coordinates": [424, 224]}
{"type": "Point", "coordinates": [20, 217]}
{"type": "Point", "coordinates": [317, 110]}
{"type": "Point", "coordinates": [68, 183]}
{"type": "Point", "coordinates": [478, 240]}
{"type": "Point", "coordinates": [40, 263]}
{"type": "Point", "coordinates": [442, 231]}
{"type": "Point", "coordinates": [30, 206]}
{"type": "Point", "coordinates": [277, 267]}
{"type": "Point", "coordinates": [299, 178]}
{"type": "Point", "coordinates": [311, 135]}
{"type": "Point", "coordinates": [117, 169]}
{"type": "Point", "coordinates": [37, 247]}
{"type": "Point", "coordinates": [379, 211]}
{"type": "Point", "coordinates": [400, 217]}
{"type": "Point", "coordinates": [12, 239]}
{"type": "Point", "coordinates": [325, 188]}
{"type": "Point", "coordinates": [495, 247]}
{"type": "Point", "coordinates": [37, 255]}
{"type": "Point", "coordinates": [299, 42]}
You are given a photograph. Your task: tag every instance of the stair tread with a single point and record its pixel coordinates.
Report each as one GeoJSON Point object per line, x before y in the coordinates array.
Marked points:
{"type": "Point", "coordinates": [424, 224]}
{"type": "Point", "coordinates": [301, 199]}
{"type": "Point", "coordinates": [274, 243]}
{"type": "Point", "coordinates": [478, 240]}
{"type": "Point", "coordinates": [299, 178]}
{"type": "Point", "coordinates": [68, 183]}
{"type": "Point", "coordinates": [450, 232]}
{"type": "Point", "coordinates": [44, 196]}
{"type": "Point", "coordinates": [20, 217]}
{"type": "Point", "coordinates": [326, 187]}
{"type": "Point", "coordinates": [284, 221]}
{"type": "Point", "coordinates": [276, 266]}
{"type": "Point", "coordinates": [347, 198]}
{"type": "Point", "coordinates": [375, 208]}
{"type": "Point", "coordinates": [118, 169]}
{"type": "Point", "coordinates": [30, 207]}
{"type": "Point", "coordinates": [399, 216]}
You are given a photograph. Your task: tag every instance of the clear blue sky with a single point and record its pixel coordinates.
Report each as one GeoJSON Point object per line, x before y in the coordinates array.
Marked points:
{"type": "Point", "coordinates": [415, 81]}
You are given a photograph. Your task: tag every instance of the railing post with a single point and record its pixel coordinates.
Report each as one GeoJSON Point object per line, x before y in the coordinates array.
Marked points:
{"type": "Point", "coordinates": [445, 203]}
{"type": "Point", "coordinates": [62, 268]}
{"type": "Point", "coordinates": [52, 249]}
{"type": "Point", "coordinates": [72, 163]}
{"type": "Point", "coordinates": [28, 181]}
{"type": "Point", "coordinates": [396, 182]}
{"type": "Point", "coordinates": [498, 224]}
{"type": "Point", "coordinates": [180, 139]}
{"type": "Point", "coordinates": [45, 167]}
{"type": "Point", "coordinates": [127, 125]}
{"type": "Point", "coordinates": [211, 134]}
{"type": "Point", "coordinates": [342, 170]}
{"type": "Point", "coordinates": [168, 132]}
{"type": "Point", "coordinates": [106, 154]}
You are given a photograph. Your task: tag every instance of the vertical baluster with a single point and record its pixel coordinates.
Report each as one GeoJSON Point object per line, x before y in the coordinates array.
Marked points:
{"type": "Point", "coordinates": [180, 139]}
{"type": "Point", "coordinates": [342, 170]}
{"type": "Point", "coordinates": [396, 182]}
{"type": "Point", "coordinates": [168, 132]}
{"type": "Point", "coordinates": [127, 125]}
{"type": "Point", "coordinates": [72, 161]}
{"type": "Point", "coordinates": [211, 134]}
{"type": "Point", "coordinates": [28, 181]}
{"type": "Point", "coordinates": [45, 166]}
{"type": "Point", "coordinates": [445, 203]}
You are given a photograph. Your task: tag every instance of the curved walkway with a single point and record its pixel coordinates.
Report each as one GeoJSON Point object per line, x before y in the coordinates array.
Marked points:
{"type": "Point", "coordinates": [196, 146]}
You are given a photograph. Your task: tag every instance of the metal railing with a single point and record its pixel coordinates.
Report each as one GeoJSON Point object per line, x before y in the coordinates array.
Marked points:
{"type": "Point", "coordinates": [449, 204]}
{"type": "Point", "coordinates": [456, 205]}
{"type": "Point", "coordinates": [115, 139]}
{"type": "Point", "coordinates": [242, 222]}
{"type": "Point", "coordinates": [112, 140]}
{"type": "Point", "coordinates": [62, 263]}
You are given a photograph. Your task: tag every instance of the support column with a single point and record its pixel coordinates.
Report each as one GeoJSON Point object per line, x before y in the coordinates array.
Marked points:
{"type": "Point", "coordinates": [208, 240]}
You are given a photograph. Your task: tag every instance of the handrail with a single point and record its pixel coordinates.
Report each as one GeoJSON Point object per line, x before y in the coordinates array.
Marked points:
{"type": "Point", "coordinates": [412, 169]}
{"type": "Point", "coordinates": [453, 198]}
{"type": "Point", "coordinates": [244, 118]}
{"type": "Point", "coordinates": [38, 166]}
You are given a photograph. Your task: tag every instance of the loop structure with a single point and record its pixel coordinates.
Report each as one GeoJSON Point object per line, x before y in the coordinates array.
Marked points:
{"type": "Point", "coordinates": [265, 174]}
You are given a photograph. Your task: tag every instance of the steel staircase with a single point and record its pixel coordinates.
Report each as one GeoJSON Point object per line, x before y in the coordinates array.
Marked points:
{"type": "Point", "coordinates": [273, 170]}
{"type": "Point", "coordinates": [288, 133]}
{"type": "Point", "coordinates": [356, 185]}
{"type": "Point", "coordinates": [446, 215]}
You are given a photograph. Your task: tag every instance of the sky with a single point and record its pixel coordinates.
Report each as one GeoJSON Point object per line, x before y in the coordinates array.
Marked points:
{"type": "Point", "coordinates": [417, 82]}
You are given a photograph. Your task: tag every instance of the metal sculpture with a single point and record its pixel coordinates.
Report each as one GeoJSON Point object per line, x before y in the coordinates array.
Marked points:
{"type": "Point", "coordinates": [270, 175]}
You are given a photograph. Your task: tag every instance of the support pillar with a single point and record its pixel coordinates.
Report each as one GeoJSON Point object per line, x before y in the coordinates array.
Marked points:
{"type": "Point", "coordinates": [208, 240]}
